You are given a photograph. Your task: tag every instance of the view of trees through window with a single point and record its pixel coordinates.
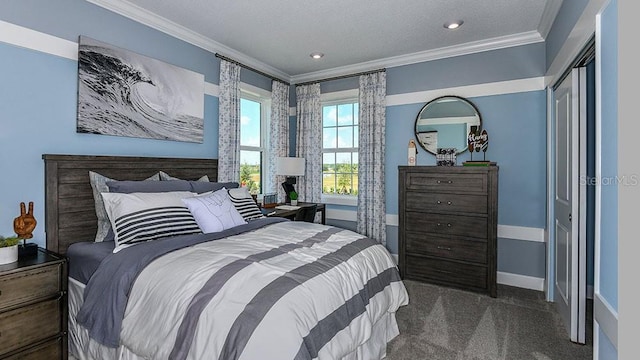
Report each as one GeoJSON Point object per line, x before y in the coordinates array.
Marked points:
{"type": "Point", "coordinates": [340, 148]}
{"type": "Point", "coordinates": [251, 145]}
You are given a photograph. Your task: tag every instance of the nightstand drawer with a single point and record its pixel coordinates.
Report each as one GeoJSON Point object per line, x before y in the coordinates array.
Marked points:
{"type": "Point", "coordinates": [29, 324]}
{"type": "Point", "coordinates": [20, 287]}
{"type": "Point", "coordinates": [47, 351]}
{"type": "Point", "coordinates": [447, 247]}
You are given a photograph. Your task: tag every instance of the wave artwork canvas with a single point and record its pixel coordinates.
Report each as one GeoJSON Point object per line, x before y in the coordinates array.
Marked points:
{"type": "Point", "coordinates": [122, 93]}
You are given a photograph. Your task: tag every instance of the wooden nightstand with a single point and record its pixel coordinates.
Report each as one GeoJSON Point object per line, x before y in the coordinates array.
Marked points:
{"type": "Point", "coordinates": [33, 307]}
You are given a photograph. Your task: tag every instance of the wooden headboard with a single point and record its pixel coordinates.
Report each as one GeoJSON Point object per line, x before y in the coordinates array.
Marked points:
{"type": "Point", "coordinates": [69, 207]}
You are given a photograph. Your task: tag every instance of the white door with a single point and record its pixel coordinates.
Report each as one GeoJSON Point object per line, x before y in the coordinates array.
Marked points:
{"type": "Point", "coordinates": [570, 197]}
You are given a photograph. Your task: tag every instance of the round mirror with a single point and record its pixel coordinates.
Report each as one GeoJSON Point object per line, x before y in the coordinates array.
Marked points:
{"type": "Point", "coordinates": [445, 122]}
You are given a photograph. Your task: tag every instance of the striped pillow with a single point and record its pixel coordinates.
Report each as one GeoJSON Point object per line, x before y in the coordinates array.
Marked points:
{"type": "Point", "coordinates": [245, 204]}
{"type": "Point", "coordinates": [139, 217]}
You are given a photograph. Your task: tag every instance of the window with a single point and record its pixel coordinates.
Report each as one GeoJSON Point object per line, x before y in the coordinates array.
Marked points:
{"type": "Point", "coordinates": [253, 125]}
{"type": "Point", "coordinates": [340, 148]}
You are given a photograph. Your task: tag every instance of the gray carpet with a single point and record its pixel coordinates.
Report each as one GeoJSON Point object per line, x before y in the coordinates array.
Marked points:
{"type": "Point", "coordinates": [445, 323]}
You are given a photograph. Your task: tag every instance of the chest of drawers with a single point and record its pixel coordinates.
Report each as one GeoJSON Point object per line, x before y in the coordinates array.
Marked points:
{"type": "Point", "coordinates": [33, 308]}
{"type": "Point", "coordinates": [448, 225]}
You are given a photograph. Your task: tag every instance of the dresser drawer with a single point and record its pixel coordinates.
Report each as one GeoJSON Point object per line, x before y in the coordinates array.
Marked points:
{"type": "Point", "coordinates": [446, 272]}
{"type": "Point", "coordinates": [20, 287]}
{"type": "Point", "coordinates": [47, 351]}
{"type": "Point", "coordinates": [472, 226]}
{"type": "Point", "coordinates": [444, 202]}
{"type": "Point", "coordinates": [29, 324]}
{"type": "Point", "coordinates": [443, 182]}
{"type": "Point", "coordinates": [447, 247]}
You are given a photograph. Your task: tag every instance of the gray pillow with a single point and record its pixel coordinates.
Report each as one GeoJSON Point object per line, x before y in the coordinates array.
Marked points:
{"type": "Point", "coordinates": [164, 177]}
{"type": "Point", "coordinates": [129, 186]}
{"type": "Point", "coordinates": [99, 185]}
{"type": "Point", "coordinates": [202, 187]}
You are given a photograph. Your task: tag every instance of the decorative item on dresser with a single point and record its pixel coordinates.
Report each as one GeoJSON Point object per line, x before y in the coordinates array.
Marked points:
{"type": "Point", "coordinates": [448, 225]}
{"type": "Point", "coordinates": [33, 307]}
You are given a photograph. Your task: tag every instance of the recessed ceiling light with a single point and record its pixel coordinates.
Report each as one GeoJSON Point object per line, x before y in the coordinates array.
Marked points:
{"type": "Point", "coordinates": [316, 55]}
{"type": "Point", "coordinates": [451, 25]}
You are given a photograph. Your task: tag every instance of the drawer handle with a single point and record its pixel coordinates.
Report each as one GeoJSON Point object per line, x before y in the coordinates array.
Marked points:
{"type": "Point", "coordinates": [439, 202]}
{"type": "Point", "coordinates": [444, 248]}
{"type": "Point", "coordinates": [450, 182]}
{"type": "Point", "coordinates": [448, 225]}
{"type": "Point", "coordinates": [448, 202]}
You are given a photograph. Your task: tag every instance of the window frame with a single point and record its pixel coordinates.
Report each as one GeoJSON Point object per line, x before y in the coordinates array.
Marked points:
{"type": "Point", "coordinates": [338, 98]}
{"type": "Point", "coordinates": [263, 97]}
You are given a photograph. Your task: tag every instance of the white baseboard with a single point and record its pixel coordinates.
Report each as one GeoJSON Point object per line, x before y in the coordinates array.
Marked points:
{"type": "Point", "coordinates": [606, 318]}
{"type": "Point", "coordinates": [521, 281]}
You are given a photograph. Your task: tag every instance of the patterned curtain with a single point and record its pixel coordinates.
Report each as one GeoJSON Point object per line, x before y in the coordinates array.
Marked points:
{"type": "Point", "coordinates": [229, 123]}
{"type": "Point", "coordinates": [309, 141]}
{"type": "Point", "coordinates": [278, 134]}
{"type": "Point", "coordinates": [371, 193]}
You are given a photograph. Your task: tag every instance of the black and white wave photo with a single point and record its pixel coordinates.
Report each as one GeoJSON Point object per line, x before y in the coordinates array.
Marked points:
{"type": "Point", "coordinates": [122, 93]}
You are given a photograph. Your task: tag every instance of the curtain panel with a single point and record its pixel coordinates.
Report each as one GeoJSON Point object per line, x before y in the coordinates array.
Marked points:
{"type": "Point", "coordinates": [229, 123]}
{"type": "Point", "coordinates": [309, 141]}
{"type": "Point", "coordinates": [278, 134]}
{"type": "Point", "coordinates": [371, 212]}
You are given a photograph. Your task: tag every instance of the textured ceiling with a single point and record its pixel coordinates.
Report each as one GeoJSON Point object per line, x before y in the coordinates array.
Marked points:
{"type": "Point", "coordinates": [280, 34]}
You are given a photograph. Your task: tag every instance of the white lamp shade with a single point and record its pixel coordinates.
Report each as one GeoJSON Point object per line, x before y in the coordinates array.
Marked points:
{"type": "Point", "coordinates": [290, 166]}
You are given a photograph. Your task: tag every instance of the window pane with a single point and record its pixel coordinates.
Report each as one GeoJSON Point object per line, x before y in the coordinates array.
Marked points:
{"type": "Point", "coordinates": [356, 134]}
{"type": "Point", "coordinates": [343, 162]}
{"type": "Point", "coordinates": [329, 162]}
{"type": "Point", "coordinates": [249, 123]}
{"type": "Point", "coordinates": [344, 183]}
{"type": "Point", "coordinates": [328, 183]}
{"type": "Point", "coordinates": [345, 114]}
{"type": "Point", "coordinates": [329, 116]}
{"type": "Point", "coordinates": [345, 137]}
{"type": "Point", "coordinates": [354, 167]}
{"type": "Point", "coordinates": [329, 139]}
{"type": "Point", "coordinates": [250, 170]}
{"type": "Point", "coordinates": [356, 107]}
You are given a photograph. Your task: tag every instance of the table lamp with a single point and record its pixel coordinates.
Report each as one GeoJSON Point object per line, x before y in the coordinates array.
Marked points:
{"type": "Point", "coordinates": [289, 167]}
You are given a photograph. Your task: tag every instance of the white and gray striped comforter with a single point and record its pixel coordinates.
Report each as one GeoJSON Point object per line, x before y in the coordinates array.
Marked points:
{"type": "Point", "coordinates": [289, 290]}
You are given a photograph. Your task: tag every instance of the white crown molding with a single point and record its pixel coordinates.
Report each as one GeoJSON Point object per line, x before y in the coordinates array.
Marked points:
{"type": "Point", "coordinates": [428, 55]}
{"type": "Point", "coordinates": [166, 26]}
{"type": "Point", "coordinates": [551, 9]}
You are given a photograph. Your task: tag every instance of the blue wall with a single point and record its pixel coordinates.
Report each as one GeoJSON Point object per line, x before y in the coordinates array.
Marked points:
{"type": "Point", "coordinates": [38, 97]}
{"type": "Point", "coordinates": [566, 19]}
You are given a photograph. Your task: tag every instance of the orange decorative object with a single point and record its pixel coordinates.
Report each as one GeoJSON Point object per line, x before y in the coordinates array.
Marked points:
{"type": "Point", "coordinates": [24, 224]}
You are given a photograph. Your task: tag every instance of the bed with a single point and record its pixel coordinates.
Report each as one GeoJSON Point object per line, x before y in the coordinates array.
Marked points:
{"type": "Point", "coordinates": [246, 292]}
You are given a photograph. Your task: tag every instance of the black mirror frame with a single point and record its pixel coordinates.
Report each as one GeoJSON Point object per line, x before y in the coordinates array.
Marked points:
{"type": "Point", "coordinates": [415, 125]}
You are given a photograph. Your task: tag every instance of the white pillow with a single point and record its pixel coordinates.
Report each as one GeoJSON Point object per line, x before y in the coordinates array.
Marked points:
{"type": "Point", "coordinates": [245, 204]}
{"type": "Point", "coordinates": [99, 185]}
{"type": "Point", "coordinates": [214, 211]}
{"type": "Point", "coordinates": [164, 177]}
{"type": "Point", "coordinates": [139, 217]}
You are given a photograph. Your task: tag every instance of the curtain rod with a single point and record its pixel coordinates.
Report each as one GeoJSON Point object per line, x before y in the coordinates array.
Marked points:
{"type": "Point", "coordinates": [343, 76]}
{"type": "Point", "coordinates": [250, 68]}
